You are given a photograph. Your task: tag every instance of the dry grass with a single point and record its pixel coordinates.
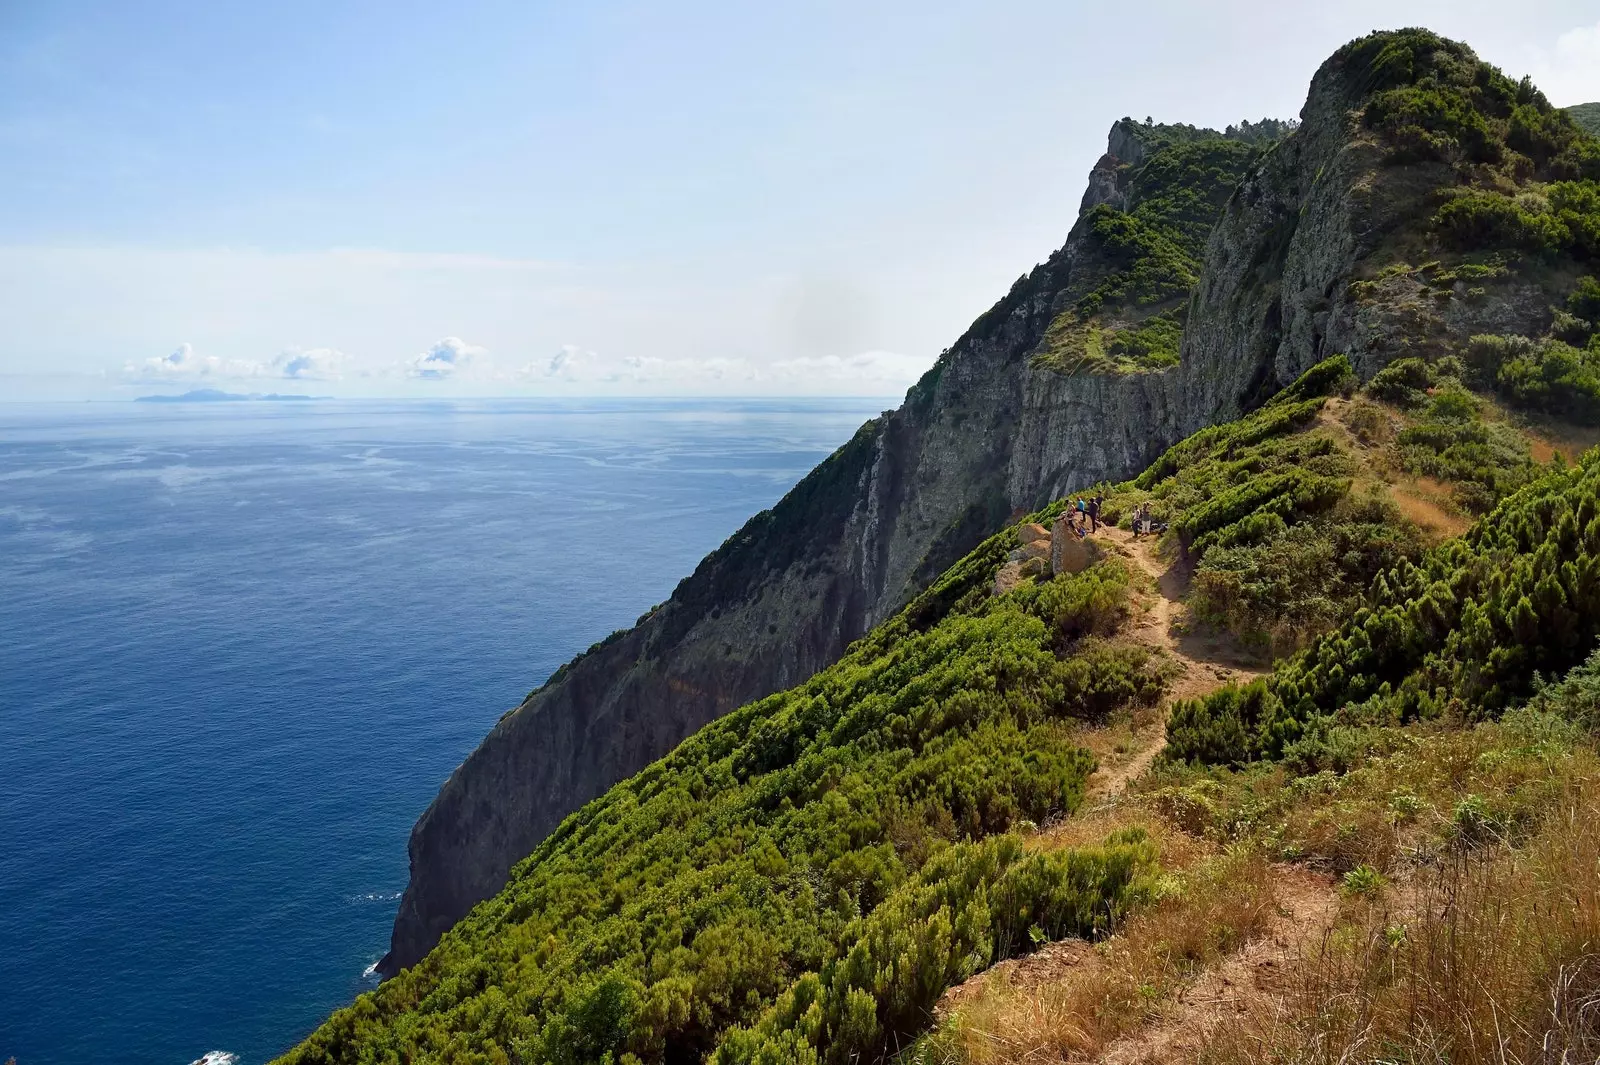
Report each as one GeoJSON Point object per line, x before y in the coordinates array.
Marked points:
{"type": "Point", "coordinates": [1492, 956]}
{"type": "Point", "coordinates": [1385, 796]}
{"type": "Point", "coordinates": [1208, 912]}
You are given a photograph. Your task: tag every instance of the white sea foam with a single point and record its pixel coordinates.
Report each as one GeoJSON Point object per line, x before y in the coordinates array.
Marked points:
{"type": "Point", "coordinates": [216, 1057]}
{"type": "Point", "coordinates": [375, 896]}
{"type": "Point", "coordinates": [370, 971]}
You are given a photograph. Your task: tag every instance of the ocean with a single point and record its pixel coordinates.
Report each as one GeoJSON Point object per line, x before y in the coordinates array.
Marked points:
{"type": "Point", "coordinates": [242, 644]}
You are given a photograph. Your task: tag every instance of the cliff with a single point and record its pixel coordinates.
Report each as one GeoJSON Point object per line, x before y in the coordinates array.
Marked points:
{"type": "Point", "coordinates": [983, 435]}
{"type": "Point", "coordinates": [1205, 271]}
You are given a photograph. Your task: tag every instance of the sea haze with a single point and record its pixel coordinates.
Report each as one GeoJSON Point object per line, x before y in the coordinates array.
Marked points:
{"type": "Point", "coordinates": [241, 645]}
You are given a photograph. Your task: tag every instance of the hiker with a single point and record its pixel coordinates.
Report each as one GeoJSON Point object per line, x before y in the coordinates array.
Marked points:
{"type": "Point", "coordinates": [1094, 514]}
{"type": "Point", "coordinates": [1083, 512]}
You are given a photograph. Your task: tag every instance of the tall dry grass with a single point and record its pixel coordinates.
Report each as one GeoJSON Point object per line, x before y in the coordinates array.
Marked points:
{"type": "Point", "coordinates": [1212, 909]}
{"type": "Point", "coordinates": [1490, 957]}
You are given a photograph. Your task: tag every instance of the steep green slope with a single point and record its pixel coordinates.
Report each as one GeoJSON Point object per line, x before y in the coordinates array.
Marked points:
{"type": "Point", "coordinates": [1463, 634]}
{"type": "Point", "coordinates": [816, 868]}
{"type": "Point", "coordinates": [809, 832]}
{"type": "Point", "coordinates": [1587, 116]}
{"type": "Point", "coordinates": [1141, 256]}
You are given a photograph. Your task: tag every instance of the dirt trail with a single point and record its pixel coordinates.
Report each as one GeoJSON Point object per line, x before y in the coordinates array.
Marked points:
{"type": "Point", "coordinates": [1307, 907]}
{"type": "Point", "coordinates": [1306, 901]}
{"type": "Point", "coordinates": [1205, 663]}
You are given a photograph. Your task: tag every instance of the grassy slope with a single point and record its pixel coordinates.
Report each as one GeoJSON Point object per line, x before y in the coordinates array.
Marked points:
{"type": "Point", "coordinates": [1587, 116]}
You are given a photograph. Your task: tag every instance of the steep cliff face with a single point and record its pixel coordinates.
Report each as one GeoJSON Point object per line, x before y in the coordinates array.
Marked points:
{"type": "Point", "coordinates": [1068, 380]}
{"type": "Point", "coordinates": [1332, 245]}
{"type": "Point", "coordinates": [981, 436]}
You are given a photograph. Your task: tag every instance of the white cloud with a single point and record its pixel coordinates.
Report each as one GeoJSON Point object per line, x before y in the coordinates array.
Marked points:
{"type": "Point", "coordinates": [310, 364]}
{"type": "Point", "coordinates": [1569, 72]}
{"type": "Point", "coordinates": [291, 364]}
{"type": "Point", "coordinates": [185, 363]}
{"type": "Point", "coordinates": [449, 358]}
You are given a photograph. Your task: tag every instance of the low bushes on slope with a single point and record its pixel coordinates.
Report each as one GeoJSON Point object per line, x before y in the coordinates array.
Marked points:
{"type": "Point", "coordinates": [1264, 506]}
{"type": "Point", "coordinates": [1463, 633]}
{"type": "Point", "coordinates": [813, 868]}
{"type": "Point", "coordinates": [1139, 264]}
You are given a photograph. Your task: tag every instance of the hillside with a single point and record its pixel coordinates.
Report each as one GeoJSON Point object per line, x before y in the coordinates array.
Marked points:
{"type": "Point", "coordinates": [1422, 200]}
{"type": "Point", "coordinates": [1415, 260]}
{"type": "Point", "coordinates": [994, 429]}
{"type": "Point", "coordinates": [817, 869]}
{"type": "Point", "coordinates": [1586, 116]}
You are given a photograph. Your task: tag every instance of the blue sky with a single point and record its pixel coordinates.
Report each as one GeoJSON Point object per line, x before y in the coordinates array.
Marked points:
{"type": "Point", "coordinates": [528, 198]}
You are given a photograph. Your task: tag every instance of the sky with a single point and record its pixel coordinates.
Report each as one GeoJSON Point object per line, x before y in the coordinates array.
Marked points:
{"type": "Point", "coordinates": [524, 198]}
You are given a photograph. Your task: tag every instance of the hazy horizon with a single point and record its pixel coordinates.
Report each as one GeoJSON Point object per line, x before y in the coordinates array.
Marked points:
{"type": "Point", "coordinates": [502, 199]}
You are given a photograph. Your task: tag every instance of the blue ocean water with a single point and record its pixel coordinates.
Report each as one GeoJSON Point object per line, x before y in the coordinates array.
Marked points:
{"type": "Point", "coordinates": [242, 645]}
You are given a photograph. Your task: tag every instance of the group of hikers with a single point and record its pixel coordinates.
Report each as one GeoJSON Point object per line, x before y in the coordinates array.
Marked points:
{"type": "Point", "coordinates": [1083, 516]}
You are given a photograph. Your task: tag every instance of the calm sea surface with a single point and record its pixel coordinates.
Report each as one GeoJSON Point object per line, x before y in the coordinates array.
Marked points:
{"type": "Point", "coordinates": [241, 645]}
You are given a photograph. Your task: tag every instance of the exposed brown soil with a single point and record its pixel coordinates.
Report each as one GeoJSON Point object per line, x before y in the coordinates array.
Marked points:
{"type": "Point", "coordinates": [1050, 964]}
{"type": "Point", "coordinates": [1426, 502]}
{"type": "Point", "coordinates": [1307, 901]}
{"type": "Point", "coordinates": [1307, 908]}
{"type": "Point", "coordinates": [1204, 661]}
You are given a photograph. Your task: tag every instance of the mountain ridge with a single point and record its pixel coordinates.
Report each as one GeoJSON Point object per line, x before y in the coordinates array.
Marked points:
{"type": "Point", "coordinates": [1304, 261]}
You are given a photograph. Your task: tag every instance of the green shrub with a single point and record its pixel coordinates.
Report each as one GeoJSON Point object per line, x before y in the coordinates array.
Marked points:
{"type": "Point", "coordinates": [1584, 303]}
{"type": "Point", "coordinates": [1451, 442]}
{"type": "Point", "coordinates": [806, 833]}
{"type": "Point", "coordinates": [1364, 881]}
{"type": "Point", "coordinates": [1286, 584]}
{"type": "Point", "coordinates": [969, 907]}
{"type": "Point", "coordinates": [1560, 379]}
{"type": "Point", "coordinates": [1465, 632]}
{"type": "Point", "coordinates": [1403, 382]}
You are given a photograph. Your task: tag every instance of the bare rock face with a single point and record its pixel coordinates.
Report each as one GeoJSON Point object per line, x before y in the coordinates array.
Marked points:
{"type": "Point", "coordinates": [1031, 532]}
{"type": "Point", "coordinates": [1007, 577]}
{"type": "Point", "coordinates": [1035, 567]}
{"type": "Point", "coordinates": [1069, 552]}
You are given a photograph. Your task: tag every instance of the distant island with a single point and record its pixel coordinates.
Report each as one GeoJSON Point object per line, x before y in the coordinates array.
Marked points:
{"type": "Point", "coordinates": [212, 395]}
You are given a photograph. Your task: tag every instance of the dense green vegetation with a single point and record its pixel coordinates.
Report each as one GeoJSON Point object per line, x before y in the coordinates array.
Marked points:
{"type": "Point", "coordinates": [1434, 100]}
{"type": "Point", "coordinates": [1586, 116]}
{"type": "Point", "coordinates": [1525, 172]}
{"type": "Point", "coordinates": [1138, 265]}
{"type": "Point", "coordinates": [776, 874]}
{"type": "Point", "coordinates": [1463, 633]}
{"type": "Point", "coordinates": [1448, 438]}
{"type": "Point", "coordinates": [1284, 549]}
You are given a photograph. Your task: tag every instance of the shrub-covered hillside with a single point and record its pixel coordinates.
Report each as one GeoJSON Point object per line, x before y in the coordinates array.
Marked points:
{"type": "Point", "coordinates": [1139, 261]}
{"type": "Point", "coordinates": [1586, 116]}
{"type": "Point", "coordinates": [810, 874]}
{"type": "Point", "coordinates": [1461, 634]}
{"type": "Point", "coordinates": [819, 865]}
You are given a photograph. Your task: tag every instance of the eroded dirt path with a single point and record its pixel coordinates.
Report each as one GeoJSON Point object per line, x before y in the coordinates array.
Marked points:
{"type": "Point", "coordinates": [1203, 663]}
{"type": "Point", "coordinates": [1307, 902]}
{"type": "Point", "coordinates": [1307, 907]}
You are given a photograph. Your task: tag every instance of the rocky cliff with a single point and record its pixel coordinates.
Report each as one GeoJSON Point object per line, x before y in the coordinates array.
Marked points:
{"type": "Point", "coordinates": [1240, 258]}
